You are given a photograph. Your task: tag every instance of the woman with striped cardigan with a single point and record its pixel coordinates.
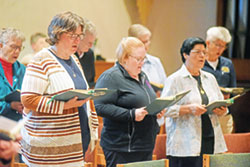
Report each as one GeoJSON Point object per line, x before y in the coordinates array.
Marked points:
{"type": "Point", "coordinates": [53, 134]}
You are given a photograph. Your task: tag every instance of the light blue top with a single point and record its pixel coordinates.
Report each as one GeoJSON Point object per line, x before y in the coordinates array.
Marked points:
{"type": "Point", "coordinates": [154, 69]}
{"type": "Point", "coordinates": [184, 132]}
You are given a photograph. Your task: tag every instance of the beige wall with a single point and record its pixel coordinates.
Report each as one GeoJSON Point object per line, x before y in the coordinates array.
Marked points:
{"type": "Point", "coordinates": [171, 21]}
{"type": "Point", "coordinates": [110, 16]}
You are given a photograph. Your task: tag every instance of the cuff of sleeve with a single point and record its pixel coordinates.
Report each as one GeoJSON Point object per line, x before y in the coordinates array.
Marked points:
{"type": "Point", "coordinates": [6, 109]}
{"type": "Point", "coordinates": [61, 106]}
{"type": "Point", "coordinates": [132, 114]}
{"type": "Point", "coordinates": [173, 111]}
{"type": "Point", "coordinates": [227, 113]}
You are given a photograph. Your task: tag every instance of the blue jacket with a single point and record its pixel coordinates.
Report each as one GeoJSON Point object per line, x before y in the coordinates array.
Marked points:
{"type": "Point", "coordinates": [6, 88]}
{"type": "Point", "coordinates": [224, 73]}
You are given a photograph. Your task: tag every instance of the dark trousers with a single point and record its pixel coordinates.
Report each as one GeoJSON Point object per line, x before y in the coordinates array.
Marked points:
{"type": "Point", "coordinates": [185, 161]}
{"type": "Point", "coordinates": [113, 157]}
{"type": "Point", "coordinates": [207, 147]}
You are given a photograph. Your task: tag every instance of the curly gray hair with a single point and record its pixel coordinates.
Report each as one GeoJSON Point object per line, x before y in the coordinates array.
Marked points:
{"type": "Point", "coordinates": [7, 33]}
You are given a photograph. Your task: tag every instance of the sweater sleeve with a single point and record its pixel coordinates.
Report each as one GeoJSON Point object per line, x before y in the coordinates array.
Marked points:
{"type": "Point", "coordinates": [35, 83]}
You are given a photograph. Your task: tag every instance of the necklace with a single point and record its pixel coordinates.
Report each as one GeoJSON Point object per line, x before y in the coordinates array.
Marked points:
{"type": "Point", "coordinates": [69, 64]}
{"type": "Point", "coordinates": [201, 90]}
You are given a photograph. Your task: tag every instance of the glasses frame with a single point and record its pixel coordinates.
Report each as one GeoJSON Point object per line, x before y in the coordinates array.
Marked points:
{"type": "Point", "coordinates": [139, 60]}
{"type": "Point", "coordinates": [74, 36]}
{"type": "Point", "coordinates": [15, 47]}
{"type": "Point", "coordinates": [199, 52]}
{"type": "Point", "coordinates": [219, 45]}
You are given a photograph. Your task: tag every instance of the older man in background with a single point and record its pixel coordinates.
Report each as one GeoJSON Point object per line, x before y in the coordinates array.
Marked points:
{"type": "Point", "coordinates": [85, 54]}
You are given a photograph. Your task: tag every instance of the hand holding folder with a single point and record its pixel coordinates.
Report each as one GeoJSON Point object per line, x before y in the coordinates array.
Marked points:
{"type": "Point", "coordinates": [93, 94]}
{"type": "Point", "coordinates": [220, 103]}
{"type": "Point", "coordinates": [163, 102]}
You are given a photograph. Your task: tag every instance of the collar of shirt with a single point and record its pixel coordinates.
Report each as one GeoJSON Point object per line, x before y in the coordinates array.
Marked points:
{"type": "Point", "coordinates": [142, 76]}
{"type": "Point", "coordinates": [147, 59]}
{"type": "Point", "coordinates": [80, 56]}
{"type": "Point", "coordinates": [185, 73]}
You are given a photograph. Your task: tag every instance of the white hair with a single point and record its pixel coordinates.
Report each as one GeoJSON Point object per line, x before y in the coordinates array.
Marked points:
{"type": "Point", "coordinates": [7, 33]}
{"type": "Point", "coordinates": [90, 27]}
{"type": "Point", "coordinates": [220, 33]}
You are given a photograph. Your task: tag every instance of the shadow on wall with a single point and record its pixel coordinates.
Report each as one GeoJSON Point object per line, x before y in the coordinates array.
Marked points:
{"type": "Point", "coordinates": [132, 10]}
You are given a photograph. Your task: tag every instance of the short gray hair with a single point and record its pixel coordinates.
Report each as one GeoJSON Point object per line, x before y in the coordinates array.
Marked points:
{"type": "Point", "coordinates": [126, 47]}
{"type": "Point", "coordinates": [63, 22]}
{"type": "Point", "coordinates": [220, 33]}
{"type": "Point", "coordinates": [7, 33]}
{"type": "Point", "coordinates": [137, 30]}
{"type": "Point", "coordinates": [89, 27]}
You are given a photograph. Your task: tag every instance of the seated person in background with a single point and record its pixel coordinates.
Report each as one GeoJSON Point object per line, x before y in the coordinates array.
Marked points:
{"type": "Point", "coordinates": [191, 132]}
{"type": "Point", "coordinates": [8, 148]}
{"type": "Point", "coordinates": [11, 71]}
{"type": "Point", "coordinates": [221, 67]}
{"type": "Point", "coordinates": [37, 42]}
{"type": "Point", "coordinates": [128, 133]}
{"type": "Point", "coordinates": [85, 53]}
{"type": "Point", "coordinates": [152, 65]}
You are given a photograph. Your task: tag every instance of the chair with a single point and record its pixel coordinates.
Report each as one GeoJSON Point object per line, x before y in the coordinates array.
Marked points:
{"type": "Point", "coordinates": [238, 142]}
{"type": "Point", "coordinates": [96, 157]}
{"type": "Point", "coordinates": [160, 146]}
{"type": "Point", "coordinates": [88, 164]}
{"type": "Point", "coordinates": [15, 164]}
{"type": "Point", "coordinates": [99, 156]}
{"type": "Point", "coordinates": [154, 163]}
{"type": "Point", "coordinates": [227, 160]}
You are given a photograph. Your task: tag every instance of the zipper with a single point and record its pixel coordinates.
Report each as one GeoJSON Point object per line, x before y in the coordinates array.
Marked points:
{"type": "Point", "coordinates": [147, 94]}
{"type": "Point", "coordinates": [130, 136]}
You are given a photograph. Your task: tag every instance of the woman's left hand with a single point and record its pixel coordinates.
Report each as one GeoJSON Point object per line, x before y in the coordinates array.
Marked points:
{"type": "Point", "coordinates": [220, 111]}
{"type": "Point", "coordinates": [161, 114]}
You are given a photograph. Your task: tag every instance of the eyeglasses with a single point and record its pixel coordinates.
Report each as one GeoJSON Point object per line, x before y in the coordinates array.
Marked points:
{"type": "Point", "coordinates": [219, 45]}
{"type": "Point", "coordinates": [199, 52]}
{"type": "Point", "coordinates": [15, 47]}
{"type": "Point", "coordinates": [139, 60]}
{"type": "Point", "coordinates": [75, 36]}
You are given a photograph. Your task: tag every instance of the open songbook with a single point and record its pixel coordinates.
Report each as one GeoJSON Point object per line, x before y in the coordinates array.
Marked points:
{"type": "Point", "coordinates": [10, 127]}
{"type": "Point", "coordinates": [220, 103]}
{"type": "Point", "coordinates": [156, 86]}
{"type": "Point", "coordinates": [12, 96]}
{"type": "Point", "coordinates": [163, 102]}
{"type": "Point", "coordinates": [83, 94]}
{"type": "Point", "coordinates": [234, 91]}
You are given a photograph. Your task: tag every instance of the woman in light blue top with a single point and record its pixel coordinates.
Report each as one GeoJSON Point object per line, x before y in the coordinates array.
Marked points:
{"type": "Point", "coordinates": [191, 132]}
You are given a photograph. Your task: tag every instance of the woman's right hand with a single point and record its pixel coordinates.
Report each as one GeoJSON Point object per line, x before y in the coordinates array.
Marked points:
{"type": "Point", "coordinates": [140, 113]}
{"type": "Point", "coordinates": [72, 103]}
{"type": "Point", "coordinates": [197, 109]}
{"type": "Point", "coordinates": [16, 105]}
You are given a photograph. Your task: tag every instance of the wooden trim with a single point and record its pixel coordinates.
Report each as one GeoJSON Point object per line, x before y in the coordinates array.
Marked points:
{"type": "Point", "coordinates": [220, 12]}
{"type": "Point", "coordinates": [205, 160]}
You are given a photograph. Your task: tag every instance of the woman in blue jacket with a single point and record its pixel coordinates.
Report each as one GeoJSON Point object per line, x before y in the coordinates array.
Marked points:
{"type": "Point", "coordinates": [11, 71]}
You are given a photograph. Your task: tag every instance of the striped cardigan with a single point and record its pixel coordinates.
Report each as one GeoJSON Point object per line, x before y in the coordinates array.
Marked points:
{"type": "Point", "coordinates": [51, 135]}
